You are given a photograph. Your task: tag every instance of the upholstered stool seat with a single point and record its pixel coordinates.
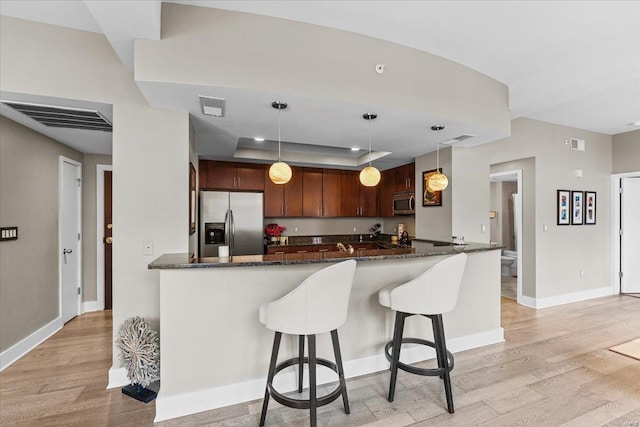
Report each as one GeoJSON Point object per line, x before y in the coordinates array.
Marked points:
{"type": "Point", "coordinates": [431, 294]}
{"type": "Point", "coordinates": [317, 305]}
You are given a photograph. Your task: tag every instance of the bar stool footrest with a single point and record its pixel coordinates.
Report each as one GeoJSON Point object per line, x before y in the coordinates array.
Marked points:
{"type": "Point", "coordinates": [431, 372]}
{"type": "Point", "coordinates": [305, 403]}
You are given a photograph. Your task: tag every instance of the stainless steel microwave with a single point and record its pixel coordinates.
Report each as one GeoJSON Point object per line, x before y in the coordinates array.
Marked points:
{"type": "Point", "coordinates": [404, 203]}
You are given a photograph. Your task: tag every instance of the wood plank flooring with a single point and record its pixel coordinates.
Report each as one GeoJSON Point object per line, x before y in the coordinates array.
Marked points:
{"type": "Point", "coordinates": [554, 369]}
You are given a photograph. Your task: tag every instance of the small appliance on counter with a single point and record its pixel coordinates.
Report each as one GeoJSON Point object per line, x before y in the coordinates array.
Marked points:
{"type": "Point", "coordinates": [404, 239]}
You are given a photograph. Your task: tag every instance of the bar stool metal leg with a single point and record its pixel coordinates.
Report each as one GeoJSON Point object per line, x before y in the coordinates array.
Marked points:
{"type": "Point", "coordinates": [442, 348]}
{"type": "Point", "coordinates": [397, 343]}
{"type": "Point", "coordinates": [300, 361]}
{"type": "Point", "coordinates": [441, 362]}
{"type": "Point", "coordinates": [272, 371]}
{"type": "Point", "coordinates": [338, 355]}
{"type": "Point", "coordinates": [312, 381]}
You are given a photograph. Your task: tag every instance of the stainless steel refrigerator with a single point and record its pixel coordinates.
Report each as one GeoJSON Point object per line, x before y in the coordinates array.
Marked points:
{"type": "Point", "coordinates": [233, 219]}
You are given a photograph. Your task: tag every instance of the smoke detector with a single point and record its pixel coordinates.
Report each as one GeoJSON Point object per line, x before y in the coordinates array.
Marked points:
{"type": "Point", "coordinates": [211, 106]}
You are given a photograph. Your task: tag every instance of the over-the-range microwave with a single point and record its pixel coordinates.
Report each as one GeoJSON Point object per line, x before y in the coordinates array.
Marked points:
{"type": "Point", "coordinates": [404, 203]}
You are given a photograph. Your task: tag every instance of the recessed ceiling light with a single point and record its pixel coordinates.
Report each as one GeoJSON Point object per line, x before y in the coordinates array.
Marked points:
{"type": "Point", "coordinates": [355, 149]}
{"type": "Point", "coordinates": [636, 123]}
{"type": "Point", "coordinates": [259, 139]}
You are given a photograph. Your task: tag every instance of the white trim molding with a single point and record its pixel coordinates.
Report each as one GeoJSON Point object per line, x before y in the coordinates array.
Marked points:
{"type": "Point", "coordinates": [118, 377]}
{"type": "Point", "coordinates": [24, 346]}
{"type": "Point", "coordinates": [203, 400]}
{"type": "Point", "coordinates": [567, 298]}
{"type": "Point", "coordinates": [88, 306]}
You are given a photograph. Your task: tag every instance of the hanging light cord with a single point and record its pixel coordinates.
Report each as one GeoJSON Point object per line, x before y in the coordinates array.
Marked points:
{"type": "Point", "coordinates": [370, 142]}
{"type": "Point", "coordinates": [279, 110]}
{"type": "Point", "coordinates": [438, 151]}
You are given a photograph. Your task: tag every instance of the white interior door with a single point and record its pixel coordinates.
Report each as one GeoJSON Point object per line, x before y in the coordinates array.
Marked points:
{"type": "Point", "coordinates": [70, 174]}
{"type": "Point", "coordinates": [630, 239]}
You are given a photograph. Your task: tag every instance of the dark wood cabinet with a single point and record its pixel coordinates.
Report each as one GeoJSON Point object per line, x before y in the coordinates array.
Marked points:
{"type": "Point", "coordinates": [357, 200]}
{"type": "Point", "coordinates": [216, 175]}
{"type": "Point", "coordinates": [311, 192]}
{"type": "Point", "coordinates": [283, 200]}
{"type": "Point", "coordinates": [405, 177]}
{"type": "Point", "coordinates": [387, 188]}
{"type": "Point", "coordinates": [331, 192]}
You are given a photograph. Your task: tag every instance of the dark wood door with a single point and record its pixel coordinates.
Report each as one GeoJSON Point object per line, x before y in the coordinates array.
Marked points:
{"type": "Point", "coordinates": [108, 238]}
{"type": "Point", "coordinates": [273, 197]}
{"type": "Point", "coordinates": [350, 204]}
{"type": "Point", "coordinates": [312, 192]}
{"type": "Point", "coordinates": [405, 177]}
{"type": "Point", "coordinates": [202, 173]}
{"type": "Point", "coordinates": [387, 188]}
{"type": "Point", "coordinates": [221, 175]}
{"type": "Point", "coordinates": [331, 192]}
{"type": "Point", "coordinates": [250, 176]}
{"type": "Point", "coordinates": [293, 193]}
{"type": "Point", "coordinates": [368, 200]}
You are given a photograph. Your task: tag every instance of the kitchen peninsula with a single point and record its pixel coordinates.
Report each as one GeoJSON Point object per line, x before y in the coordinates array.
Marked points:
{"type": "Point", "coordinates": [215, 352]}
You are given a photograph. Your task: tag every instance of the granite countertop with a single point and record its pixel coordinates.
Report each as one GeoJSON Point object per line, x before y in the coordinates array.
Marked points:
{"type": "Point", "coordinates": [421, 248]}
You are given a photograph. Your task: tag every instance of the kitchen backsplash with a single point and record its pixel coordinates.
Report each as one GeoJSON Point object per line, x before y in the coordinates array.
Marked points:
{"type": "Point", "coordinates": [323, 226]}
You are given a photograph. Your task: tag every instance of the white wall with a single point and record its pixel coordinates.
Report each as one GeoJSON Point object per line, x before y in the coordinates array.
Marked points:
{"type": "Point", "coordinates": [434, 222]}
{"type": "Point", "coordinates": [626, 152]}
{"type": "Point", "coordinates": [150, 147]}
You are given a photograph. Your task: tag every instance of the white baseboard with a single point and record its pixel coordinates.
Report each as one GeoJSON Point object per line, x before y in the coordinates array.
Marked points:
{"type": "Point", "coordinates": [118, 377]}
{"type": "Point", "coordinates": [566, 298]}
{"type": "Point", "coordinates": [22, 347]}
{"type": "Point", "coordinates": [88, 306]}
{"type": "Point", "coordinates": [203, 400]}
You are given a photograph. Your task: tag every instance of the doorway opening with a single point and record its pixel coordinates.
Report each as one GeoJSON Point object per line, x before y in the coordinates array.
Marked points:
{"type": "Point", "coordinates": [104, 228]}
{"type": "Point", "coordinates": [505, 227]}
{"type": "Point", "coordinates": [626, 233]}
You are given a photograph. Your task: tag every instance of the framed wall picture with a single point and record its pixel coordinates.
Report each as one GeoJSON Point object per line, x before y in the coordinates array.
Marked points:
{"type": "Point", "coordinates": [430, 198]}
{"type": "Point", "coordinates": [564, 209]}
{"type": "Point", "coordinates": [590, 207]}
{"type": "Point", "coordinates": [577, 208]}
{"type": "Point", "coordinates": [192, 199]}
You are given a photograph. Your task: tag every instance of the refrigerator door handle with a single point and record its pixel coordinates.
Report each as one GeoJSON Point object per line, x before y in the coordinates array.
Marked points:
{"type": "Point", "coordinates": [226, 227]}
{"type": "Point", "coordinates": [233, 233]}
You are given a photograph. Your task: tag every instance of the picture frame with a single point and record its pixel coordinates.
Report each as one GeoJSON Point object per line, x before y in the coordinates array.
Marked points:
{"type": "Point", "coordinates": [577, 208]}
{"type": "Point", "coordinates": [590, 207]}
{"type": "Point", "coordinates": [192, 199]}
{"type": "Point", "coordinates": [429, 198]}
{"type": "Point", "coordinates": [564, 207]}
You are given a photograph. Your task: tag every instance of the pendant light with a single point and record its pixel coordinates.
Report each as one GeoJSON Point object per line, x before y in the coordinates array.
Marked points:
{"type": "Point", "coordinates": [279, 172]}
{"type": "Point", "coordinates": [369, 176]}
{"type": "Point", "coordinates": [437, 181]}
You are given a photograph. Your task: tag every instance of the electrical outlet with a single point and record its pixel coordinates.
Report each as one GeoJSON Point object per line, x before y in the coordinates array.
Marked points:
{"type": "Point", "coordinates": [147, 247]}
{"type": "Point", "coordinates": [354, 229]}
{"type": "Point", "coordinates": [295, 229]}
{"type": "Point", "coordinates": [581, 272]}
{"type": "Point", "coordinates": [483, 228]}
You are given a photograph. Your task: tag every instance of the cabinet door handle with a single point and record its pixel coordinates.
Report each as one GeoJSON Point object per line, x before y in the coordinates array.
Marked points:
{"type": "Point", "coordinates": [302, 252]}
{"type": "Point", "coordinates": [238, 182]}
{"type": "Point", "coordinates": [286, 210]}
{"type": "Point", "coordinates": [281, 210]}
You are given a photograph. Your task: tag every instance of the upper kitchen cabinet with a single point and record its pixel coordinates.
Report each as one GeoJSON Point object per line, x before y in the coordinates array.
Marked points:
{"type": "Point", "coordinates": [387, 188]}
{"type": "Point", "coordinates": [215, 175]}
{"type": "Point", "coordinates": [283, 200]}
{"type": "Point", "coordinates": [331, 192]}
{"type": "Point", "coordinates": [357, 200]}
{"type": "Point", "coordinates": [405, 177]}
{"type": "Point", "coordinates": [321, 192]}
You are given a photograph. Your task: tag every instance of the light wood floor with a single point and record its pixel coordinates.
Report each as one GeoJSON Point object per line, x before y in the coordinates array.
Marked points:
{"type": "Point", "coordinates": [554, 369]}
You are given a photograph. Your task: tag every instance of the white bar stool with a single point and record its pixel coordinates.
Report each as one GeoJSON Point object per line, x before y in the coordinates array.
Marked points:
{"type": "Point", "coordinates": [317, 305]}
{"type": "Point", "coordinates": [432, 293]}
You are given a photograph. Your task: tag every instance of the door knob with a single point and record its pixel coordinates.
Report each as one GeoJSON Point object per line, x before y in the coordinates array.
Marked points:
{"type": "Point", "coordinates": [109, 226]}
{"type": "Point", "coordinates": [108, 240]}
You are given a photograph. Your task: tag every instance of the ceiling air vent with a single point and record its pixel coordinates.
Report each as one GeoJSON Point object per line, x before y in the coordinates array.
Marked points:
{"type": "Point", "coordinates": [458, 139]}
{"type": "Point", "coordinates": [62, 117]}
{"type": "Point", "coordinates": [211, 106]}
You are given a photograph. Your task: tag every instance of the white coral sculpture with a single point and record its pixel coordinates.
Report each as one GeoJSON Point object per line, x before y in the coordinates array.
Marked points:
{"type": "Point", "coordinates": [140, 351]}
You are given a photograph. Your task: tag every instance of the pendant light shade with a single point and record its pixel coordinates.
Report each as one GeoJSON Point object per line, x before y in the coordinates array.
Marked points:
{"type": "Point", "coordinates": [279, 172]}
{"type": "Point", "coordinates": [437, 181]}
{"type": "Point", "coordinates": [369, 176]}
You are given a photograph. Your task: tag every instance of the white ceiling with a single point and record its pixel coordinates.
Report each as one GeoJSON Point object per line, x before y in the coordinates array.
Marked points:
{"type": "Point", "coordinates": [573, 63]}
